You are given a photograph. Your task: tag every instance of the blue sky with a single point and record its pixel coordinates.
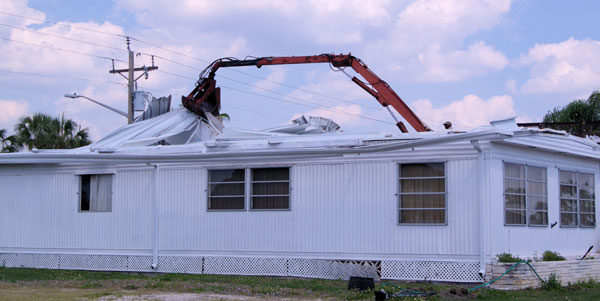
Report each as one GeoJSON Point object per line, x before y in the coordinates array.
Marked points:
{"type": "Point", "coordinates": [466, 61]}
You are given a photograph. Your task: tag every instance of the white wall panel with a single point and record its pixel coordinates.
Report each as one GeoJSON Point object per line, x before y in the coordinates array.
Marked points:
{"type": "Point", "coordinates": [524, 240]}
{"type": "Point", "coordinates": [346, 208]}
{"type": "Point", "coordinates": [41, 211]}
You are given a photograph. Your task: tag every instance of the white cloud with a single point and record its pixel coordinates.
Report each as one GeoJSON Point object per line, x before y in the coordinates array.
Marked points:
{"type": "Point", "coordinates": [570, 66]}
{"type": "Point", "coordinates": [511, 86]}
{"type": "Point", "coordinates": [456, 65]}
{"type": "Point", "coordinates": [428, 35]}
{"type": "Point", "coordinates": [11, 111]}
{"type": "Point", "coordinates": [272, 80]}
{"type": "Point", "coordinates": [469, 112]}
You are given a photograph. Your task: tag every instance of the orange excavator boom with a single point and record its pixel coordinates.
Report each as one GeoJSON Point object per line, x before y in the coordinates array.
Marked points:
{"type": "Point", "coordinates": [205, 98]}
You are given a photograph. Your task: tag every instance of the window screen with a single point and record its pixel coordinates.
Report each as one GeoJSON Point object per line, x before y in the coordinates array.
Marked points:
{"type": "Point", "coordinates": [525, 195]}
{"type": "Point", "coordinates": [226, 189]}
{"type": "Point", "coordinates": [270, 188]}
{"type": "Point", "coordinates": [422, 193]}
{"type": "Point", "coordinates": [577, 199]}
{"type": "Point", "coordinates": [96, 193]}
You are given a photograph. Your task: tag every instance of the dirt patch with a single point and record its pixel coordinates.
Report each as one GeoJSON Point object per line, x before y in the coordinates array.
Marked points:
{"type": "Point", "coordinates": [178, 297]}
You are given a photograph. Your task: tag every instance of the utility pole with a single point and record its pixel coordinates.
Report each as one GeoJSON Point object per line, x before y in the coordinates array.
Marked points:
{"type": "Point", "coordinates": [130, 78]}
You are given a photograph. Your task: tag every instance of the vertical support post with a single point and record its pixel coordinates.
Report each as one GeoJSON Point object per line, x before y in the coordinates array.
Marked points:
{"type": "Point", "coordinates": [480, 195]}
{"type": "Point", "coordinates": [131, 80]}
{"type": "Point", "coordinates": [156, 217]}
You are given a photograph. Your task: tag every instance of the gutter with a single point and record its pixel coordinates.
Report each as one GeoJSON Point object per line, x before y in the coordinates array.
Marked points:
{"type": "Point", "coordinates": [156, 187]}
{"type": "Point", "coordinates": [29, 158]}
{"type": "Point", "coordinates": [480, 196]}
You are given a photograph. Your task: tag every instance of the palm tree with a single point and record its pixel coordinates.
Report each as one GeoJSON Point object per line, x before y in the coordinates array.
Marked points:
{"type": "Point", "coordinates": [44, 132]}
{"type": "Point", "coordinates": [8, 144]}
{"type": "Point", "coordinates": [577, 113]}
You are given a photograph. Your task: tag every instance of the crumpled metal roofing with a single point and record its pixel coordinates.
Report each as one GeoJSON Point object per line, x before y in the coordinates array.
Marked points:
{"type": "Point", "coordinates": [182, 134]}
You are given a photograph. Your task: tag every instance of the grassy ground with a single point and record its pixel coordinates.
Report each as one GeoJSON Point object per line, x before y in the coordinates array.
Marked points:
{"type": "Point", "coordinates": [35, 284]}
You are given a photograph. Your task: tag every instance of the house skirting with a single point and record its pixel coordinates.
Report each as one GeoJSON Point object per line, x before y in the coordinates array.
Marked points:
{"type": "Point", "coordinates": [453, 271]}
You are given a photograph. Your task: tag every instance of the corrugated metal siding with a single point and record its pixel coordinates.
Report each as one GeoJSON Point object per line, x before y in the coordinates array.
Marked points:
{"type": "Point", "coordinates": [336, 209]}
{"type": "Point", "coordinates": [525, 240]}
{"type": "Point", "coordinates": [41, 212]}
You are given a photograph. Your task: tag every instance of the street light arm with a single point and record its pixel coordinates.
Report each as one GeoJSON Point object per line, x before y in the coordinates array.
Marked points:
{"type": "Point", "coordinates": [99, 103]}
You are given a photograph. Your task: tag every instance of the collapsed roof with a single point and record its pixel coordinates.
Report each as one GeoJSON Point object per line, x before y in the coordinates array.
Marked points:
{"type": "Point", "coordinates": [182, 135]}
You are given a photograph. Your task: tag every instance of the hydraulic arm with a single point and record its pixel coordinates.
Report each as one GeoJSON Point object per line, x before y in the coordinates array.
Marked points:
{"type": "Point", "coordinates": [205, 98]}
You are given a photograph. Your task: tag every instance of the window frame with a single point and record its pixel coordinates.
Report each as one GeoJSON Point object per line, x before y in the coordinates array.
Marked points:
{"type": "Point", "coordinates": [79, 192]}
{"type": "Point", "coordinates": [248, 186]}
{"type": "Point", "coordinates": [527, 210]}
{"type": "Point", "coordinates": [577, 200]}
{"type": "Point", "coordinates": [250, 192]}
{"type": "Point", "coordinates": [399, 193]}
{"type": "Point", "coordinates": [208, 182]}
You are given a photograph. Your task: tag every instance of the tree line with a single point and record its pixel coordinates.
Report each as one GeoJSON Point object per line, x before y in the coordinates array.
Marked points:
{"type": "Point", "coordinates": [580, 117]}
{"type": "Point", "coordinates": [42, 131]}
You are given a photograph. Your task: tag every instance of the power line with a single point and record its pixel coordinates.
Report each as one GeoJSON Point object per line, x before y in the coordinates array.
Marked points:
{"type": "Point", "coordinates": [228, 105]}
{"type": "Point", "coordinates": [303, 103]}
{"type": "Point", "coordinates": [175, 62]}
{"type": "Point", "coordinates": [60, 77]}
{"type": "Point", "coordinates": [184, 55]}
{"type": "Point", "coordinates": [62, 37]}
{"type": "Point", "coordinates": [61, 49]}
{"type": "Point", "coordinates": [255, 86]}
{"type": "Point", "coordinates": [62, 24]}
{"type": "Point", "coordinates": [282, 84]}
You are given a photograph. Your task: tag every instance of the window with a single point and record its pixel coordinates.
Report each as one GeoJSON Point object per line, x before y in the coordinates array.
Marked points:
{"type": "Point", "coordinates": [577, 199]}
{"type": "Point", "coordinates": [226, 189]}
{"type": "Point", "coordinates": [96, 193]}
{"type": "Point", "coordinates": [422, 194]}
{"type": "Point", "coordinates": [525, 195]}
{"type": "Point", "coordinates": [269, 188]}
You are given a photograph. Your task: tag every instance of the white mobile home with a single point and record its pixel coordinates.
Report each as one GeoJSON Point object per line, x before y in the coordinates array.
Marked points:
{"type": "Point", "coordinates": [178, 194]}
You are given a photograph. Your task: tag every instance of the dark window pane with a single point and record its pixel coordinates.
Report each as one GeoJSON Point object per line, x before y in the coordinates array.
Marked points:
{"type": "Point", "coordinates": [514, 201]}
{"type": "Point", "coordinates": [226, 189]}
{"type": "Point", "coordinates": [568, 205]}
{"type": "Point", "coordinates": [586, 179]}
{"type": "Point", "coordinates": [587, 193]}
{"type": "Point", "coordinates": [422, 170]}
{"type": "Point", "coordinates": [216, 203]}
{"type": "Point", "coordinates": [568, 191]}
{"type": "Point", "coordinates": [226, 175]}
{"type": "Point", "coordinates": [537, 188]}
{"type": "Point", "coordinates": [272, 202]}
{"type": "Point", "coordinates": [270, 174]}
{"type": "Point", "coordinates": [536, 173]}
{"type": "Point", "coordinates": [514, 170]}
{"type": "Point", "coordinates": [423, 201]}
{"type": "Point", "coordinates": [538, 218]}
{"type": "Point", "coordinates": [85, 193]}
{"type": "Point", "coordinates": [514, 217]}
{"type": "Point", "coordinates": [423, 185]}
{"type": "Point", "coordinates": [514, 186]}
{"type": "Point", "coordinates": [568, 219]}
{"type": "Point", "coordinates": [538, 203]}
{"type": "Point", "coordinates": [423, 216]}
{"type": "Point", "coordinates": [567, 177]}
{"type": "Point", "coordinates": [587, 206]}
{"type": "Point", "coordinates": [271, 188]}
{"type": "Point", "coordinates": [588, 220]}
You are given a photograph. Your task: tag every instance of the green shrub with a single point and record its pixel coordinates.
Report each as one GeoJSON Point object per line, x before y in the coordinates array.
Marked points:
{"type": "Point", "coordinates": [507, 257]}
{"type": "Point", "coordinates": [552, 283]}
{"type": "Point", "coordinates": [552, 256]}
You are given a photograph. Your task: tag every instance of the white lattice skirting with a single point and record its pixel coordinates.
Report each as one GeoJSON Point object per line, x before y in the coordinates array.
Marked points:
{"type": "Point", "coordinates": [455, 271]}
